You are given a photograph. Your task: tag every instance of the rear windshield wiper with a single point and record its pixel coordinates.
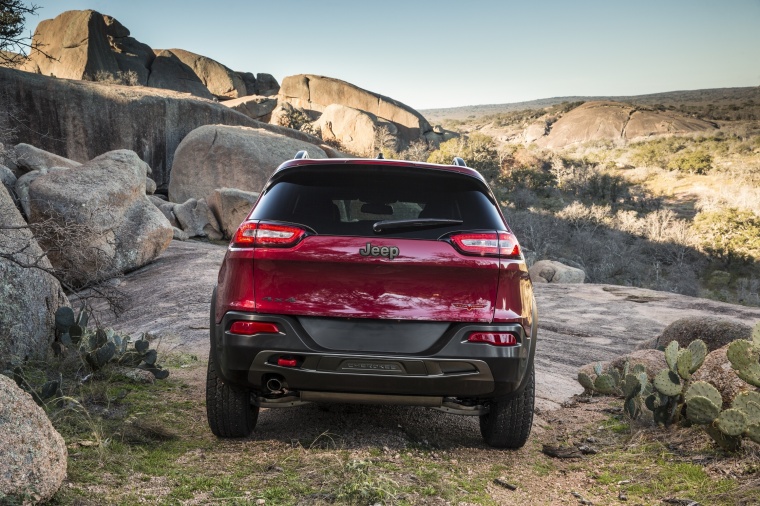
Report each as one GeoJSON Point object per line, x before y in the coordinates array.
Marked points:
{"type": "Point", "coordinates": [382, 226]}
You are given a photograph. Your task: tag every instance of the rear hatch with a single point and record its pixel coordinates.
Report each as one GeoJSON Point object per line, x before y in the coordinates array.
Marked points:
{"type": "Point", "coordinates": [376, 242]}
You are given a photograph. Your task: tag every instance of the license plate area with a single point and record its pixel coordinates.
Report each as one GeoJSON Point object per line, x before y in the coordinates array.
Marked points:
{"type": "Point", "coordinates": [372, 366]}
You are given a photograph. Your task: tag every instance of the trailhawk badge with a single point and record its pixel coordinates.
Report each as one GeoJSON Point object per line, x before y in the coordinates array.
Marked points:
{"type": "Point", "coordinates": [390, 252]}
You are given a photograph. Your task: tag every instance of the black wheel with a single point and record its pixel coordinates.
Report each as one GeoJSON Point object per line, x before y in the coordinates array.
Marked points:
{"type": "Point", "coordinates": [508, 423]}
{"type": "Point", "coordinates": [228, 407]}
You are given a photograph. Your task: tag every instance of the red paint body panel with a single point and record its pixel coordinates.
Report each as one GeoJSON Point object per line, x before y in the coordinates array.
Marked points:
{"type": "Point", "coordinates": [514, 301]}
{"type": "Point", "coordinates": [326, 276]}
{"type": "Point", "coordinates": [235, 283]}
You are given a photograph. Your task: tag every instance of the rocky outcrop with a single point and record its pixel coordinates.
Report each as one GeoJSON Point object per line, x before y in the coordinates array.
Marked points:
{"type": "Point", "coordinates": [254, 106]}
{"type": "Point", "coordinates": [22, 187]}
{"type": "Point", "coordinates": [715, 332]}
{"type": "Point", "coordinates": [29, 295]}
{"type": "Point", "coordinates": [8, 180]}
{"type": "Point", "coordinates": [215, 156]}
{"type": "Point", "coordinates": [353, 129]}
{"type": "Point", "coordinates": [29, 158]}
{"type": "Point", "coordinates": [171, 73]}
{"type": "Point", "coordinates": [32, 453]}
{"type": "Point", "coordinates": [217, 79]}
{"type": "Point", "coordinates": [231, 206]}
{"type": "Point", "coordinates": [131, 55]}
{"type": "Point", "coordinates": [196, 219]}
{"type": "Point", "coordinates": [117, 228]}
{"type": "Point", "coordinates": [315, 93]}
{"type": "Point", "coordinates": [549, 271]}
{"type": "Point", "coordinates": [75, 119]}
{"type": "Point", "coordinates": [266, 85]}
{"type": "Point", "coordinates": [604, 121]}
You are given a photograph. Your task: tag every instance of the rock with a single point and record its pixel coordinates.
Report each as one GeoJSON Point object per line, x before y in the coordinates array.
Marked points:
{"type": "Point", "coordinates": [617, 121]}
{"type": "Point", "coordinates": [715, 332]}
{"type": "Point", "coordinates": [131, 55]}
{"type": "Point", "coordinates": [22, 187]}
{"type": "Point", "coordinates": [353, 129]}
{"type": "Point", "coordinates": [230, 207]}
{"type": "Point", "coordinates": [77, 43]}
{"type": "Point", "coordinates": [32, 453]}
{"type": "Point", "coordinates": [166, 208]}
{"type": "Point", "coordinates": [249, 80]}
{"type": "Point", "coordinates": [254, 106]}
{"type": "Point", "coordinates": [8, 179]}
{"type": "Point", "coordinates": [220, 81]}
{"type": "Point", "coordinates": [217, 156]}
{"type": "Point", "coordinates": [549, 271]}
{"type": "Point", "coordinates": [171, 73]}
{"type": "Point", "coordinates": [119, 229]}
{"type": "Point", "coordinates": [29, 296]}
{"type": "Point", "coordinates": [180, 234]}
{"type": "Point", "coordinates": [139, 376]}
{"type": "Point", "coordinates": [266, 85]}
{"type": "Point", "coordinates": [717, 371]}
{"type": "Point", "coordinates": [8, 159]}
{"type": "Point", "coordinates": [535, 131]}
{"type": "Point", "coordinates": [653, 360]}
{"type": "Point", "coordinates": [150, 186]}
{"type": "Point", "coordinates": [75, 119]}
{"type": "Point", "coordinates": [196, 219]}
{"type": "Point", "coordinates": [29, 158]}
{"type": "Point", "coordinates": [315, 93]}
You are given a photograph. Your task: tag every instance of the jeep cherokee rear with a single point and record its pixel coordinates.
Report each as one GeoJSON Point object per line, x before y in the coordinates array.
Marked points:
{"type": "Point", "coordinates": [374, 281]}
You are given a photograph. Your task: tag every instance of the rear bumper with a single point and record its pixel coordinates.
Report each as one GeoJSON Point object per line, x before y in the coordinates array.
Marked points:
{"type": "Point", "coordinates": [451, 367]}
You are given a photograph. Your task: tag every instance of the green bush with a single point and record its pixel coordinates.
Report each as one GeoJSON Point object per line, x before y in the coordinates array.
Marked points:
{"type": "Point", "coordinates": [730, 234]}
{"type": "Point", "coordinates": [694, 162]}
{"type": "Point", "coordinates": [477, 150]}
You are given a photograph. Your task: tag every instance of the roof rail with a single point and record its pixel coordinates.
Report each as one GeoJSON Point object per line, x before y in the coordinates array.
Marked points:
{"type": "Point", "coordinates": [459, 162]}
{"type": "Point", "coordinates": [301, 155]}
{"type": "Point", "coordinates": [380, 156]}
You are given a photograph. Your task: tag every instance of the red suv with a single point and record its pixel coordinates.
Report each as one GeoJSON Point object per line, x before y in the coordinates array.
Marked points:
{"type": "Point", "coordinates": [374, 281]}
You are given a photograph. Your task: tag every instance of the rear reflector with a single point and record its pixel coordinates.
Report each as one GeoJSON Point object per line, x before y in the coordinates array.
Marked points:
{"type": "Point", "coordinates": [267, 235]}
{"type": "Point", "coordinates": [287, 362]}
{"type": "Point", "coordinates": [249, 328]}
{"type": "Point", "coordinates": [502, 244]}
{"type": "Point", "coordinates": [494, 338]}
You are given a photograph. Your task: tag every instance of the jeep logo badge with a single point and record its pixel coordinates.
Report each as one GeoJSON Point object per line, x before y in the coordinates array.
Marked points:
{"type": "Point", "coordinates": [390, 252]}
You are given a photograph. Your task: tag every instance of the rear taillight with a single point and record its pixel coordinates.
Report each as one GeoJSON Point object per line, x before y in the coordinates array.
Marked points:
{"type": "Point", "coordinates": [267, 235]}
{"type": "Point", "coordinates": [502, 244]}
{"type": "Point", "coordinates": [494, 338]}
{"type": "Point", "coordinates": [243, 328]}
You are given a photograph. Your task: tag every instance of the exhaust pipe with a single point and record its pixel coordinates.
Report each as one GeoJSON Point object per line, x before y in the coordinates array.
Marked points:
{"type": "Point", "coordinates": [276, 385]}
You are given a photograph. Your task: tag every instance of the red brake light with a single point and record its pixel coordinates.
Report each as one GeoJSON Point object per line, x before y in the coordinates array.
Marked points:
{"type": "Point", "coordinates": [248, 328]}
{"type": "Point", "coordinates": [494, 338]}
{"type": "Point", "coordinates": [487, 244]}
{"type": "Point", "coordinates": [250, 234]}
{"type": "Point", "coordinates": [287, 362]}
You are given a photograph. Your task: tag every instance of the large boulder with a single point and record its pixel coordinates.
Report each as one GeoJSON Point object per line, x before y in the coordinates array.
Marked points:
{"type": "Point", "coordinates": [215, 156]}
{"type": "Point", "coordinates": [717, 371]}
{"type": "Point", "coordinates": [315, 93]}
{"type": "Point", "coordinates": [76, 119]}
{"type": "Point", "coordinates": [196, 219]}
{"type": "Point", "coordinates": [171, 73]}
{"type": "Point", "coordinates": [715, 332]}
{"type": "Point", "coordinates": [266, 85]}
{"type": "Point", "coordinates": [32, 453]}
{"type": "Point", "coordinates": [652, 360]}
{"type": "Point", "coordinates": [231, 206]}
{"type": "Point", "coordinates": [616, 121]}
{"type": "Point", "coordinates": [131, 55]}
{"type": "Point", "coordinates": [8, 179]}
{"type": "Point", "coordinates": [222, 82]}
{"type": "Point", "coordinates": [254, 106]}
{"type": "Point", "coordinates": [353, 129]}
{"type": "Point", "coordinates": [29, 294]}
{"type": "Point", "coordinates": [29, 158]}
{"type": "Point", "coordinates": [77, 44]}
{"type": "Point", "coordinates": [550, 271]}
{"type": "Point", "coordinates": [117, 228]}
{"type": "Point", "coordinates": [22, 187]}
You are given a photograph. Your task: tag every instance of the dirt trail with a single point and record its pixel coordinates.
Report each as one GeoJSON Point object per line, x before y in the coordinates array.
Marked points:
{"type": "Point", "coordinates": [578, 323]}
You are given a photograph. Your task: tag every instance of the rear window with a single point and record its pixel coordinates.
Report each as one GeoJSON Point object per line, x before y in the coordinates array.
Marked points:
{"type": "Point", "coordinates": [349, 200]}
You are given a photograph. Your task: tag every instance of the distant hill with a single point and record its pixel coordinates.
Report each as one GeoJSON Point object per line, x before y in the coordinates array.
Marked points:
{"type": "Point", "coordinates": [720, 97]}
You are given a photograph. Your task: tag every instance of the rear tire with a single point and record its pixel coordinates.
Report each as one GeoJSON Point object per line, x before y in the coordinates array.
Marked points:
{"type": "Point", "coordinates": [228, 407]}
{"type": "Point", "coordinates": [508, 423]}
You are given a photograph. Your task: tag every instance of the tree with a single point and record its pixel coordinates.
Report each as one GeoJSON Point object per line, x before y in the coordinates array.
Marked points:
{"type": "Point", "coordinates": [15, 47]}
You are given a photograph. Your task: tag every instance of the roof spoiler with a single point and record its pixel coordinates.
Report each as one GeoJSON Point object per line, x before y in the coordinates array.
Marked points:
{"type": "Point", "coordinates": [459, 162]}
{"type": "Point", "coordinates": [301, 155]}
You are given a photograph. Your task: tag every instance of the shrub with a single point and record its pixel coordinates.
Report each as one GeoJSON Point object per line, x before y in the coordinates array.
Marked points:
{"type": "Point", "coordinates": [694, 162]}
{"type": "Point", "coordinates": [730, 234]}
{"type": "Point", "coordinates": [477, 150]}
{"type": "Point", "coordinates": [125, 78]}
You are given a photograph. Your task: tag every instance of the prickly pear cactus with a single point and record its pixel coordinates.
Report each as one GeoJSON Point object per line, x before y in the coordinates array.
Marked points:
{"type": "Point", "coordinates": [701, 410]}
{"type": "Point", "coordinates": [605, 384]}
{"type": "Point", "coordinates": [586, 382]}
{"type": "Point", "coordinates": [698, 350]}
{"type": "Point", "coordinates": [745, 358]}
{"type": "Point", "coordinates": [671, 355]}
{"type": "Point", "coordinates": [704, 389]}
{"type": "Point", "coordinates": [667, 383]}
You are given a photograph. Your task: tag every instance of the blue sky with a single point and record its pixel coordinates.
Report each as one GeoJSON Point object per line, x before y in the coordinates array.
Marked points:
{"type": "Point", "coordinates": [447, 53]}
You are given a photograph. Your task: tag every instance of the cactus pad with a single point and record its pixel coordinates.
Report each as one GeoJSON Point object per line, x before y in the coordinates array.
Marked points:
{"type": "Point", "coordinates": [740, 354]}
{"type": "Point", "coordinates": [638, 369]}
{"type": "Point", "coordinates": [701, 410]}
{"type": "Point", "coordinates": [615, 375]}
{"type": "Point", "coordinates": [742, 402]}
{"type": "Point", "coordinates": [671, 355]}
{"type": "Point", "coordinates": [753, 432]}
{"type": "Point", "coordinates": [632, 386]}
{"type": "Point", "coordinates": [667, 383]}
{"type": "Point", "coordinates": [730, 443]}
{"type": "Point", "coordinates": [732, 422]}
{"type": "Point", "coordinates": [598, 368]}
{"type": "Point", "coordinates": [756, 335]}
{"type": "Point", "coordinates": [64, 318]}
{"type": "Point", "coordinates": [586, 381]}
{"type": "Point", "coordinates": [141, 345]}
{"type": "Point", "coordinates": [698, 351]}
{"type": "Point", "coordinates": [750, 374]}
{"type": "Point", "coordinates": [683, 364]}
{"type": "Point", "coordinates": [704, 389]}
{"type": "Point", "coordinates": [631, 407]}
{"type": "Point", "coordinates": [604, 384]}
{"type": "Point", "coordinates": [651, 402]}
